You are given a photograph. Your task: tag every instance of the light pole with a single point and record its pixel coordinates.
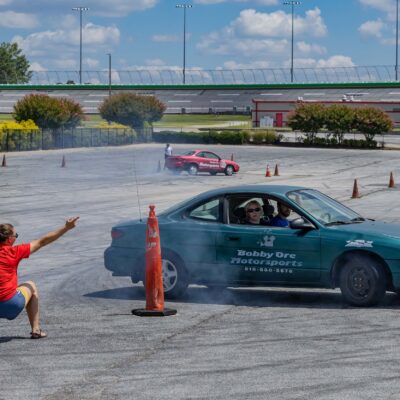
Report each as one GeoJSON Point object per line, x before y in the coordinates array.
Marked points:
{"type": "Point", "coordinates": [397, 40]}
{"type": "Point", "coordinates": [184, 6]}
{"type": "Point", "coordinates": [109, 74]}
{"type": "Point", "coordinates": [292, 3]}
{"type": "Point", "coordinates": [80, 9]}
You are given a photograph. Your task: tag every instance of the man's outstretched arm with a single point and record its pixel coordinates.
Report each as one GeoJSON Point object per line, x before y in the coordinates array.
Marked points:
{"type": "Point", "coordinates": [54, 235]}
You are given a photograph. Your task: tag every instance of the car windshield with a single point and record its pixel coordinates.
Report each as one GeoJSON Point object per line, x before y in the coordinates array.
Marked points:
{"type": "Point", "coordinates": [188, 153]}
{"type": "Point", "coordinates": [324, 209]}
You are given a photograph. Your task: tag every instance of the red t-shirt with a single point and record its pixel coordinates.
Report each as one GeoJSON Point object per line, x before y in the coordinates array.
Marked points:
{"type": "Point", "coordinates": [10, 256]}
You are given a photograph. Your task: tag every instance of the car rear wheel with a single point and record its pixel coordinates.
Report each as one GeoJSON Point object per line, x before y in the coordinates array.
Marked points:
{"type": "Point", "coordinates": [193, 168]}
{"type": "Point", "coordinates": [362, 281]}
{"type": "Point", "coordinates": [229, 170]}
{"type": "Point", "coordinates": [175, 277]}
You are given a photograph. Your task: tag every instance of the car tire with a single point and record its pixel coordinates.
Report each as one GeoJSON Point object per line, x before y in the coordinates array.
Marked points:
{"type": "Point", "coordinates": [362, 282]}
{"type": "Point", "coordinates": [175, 276]}
{"type": "Point", "coordinates": [229, 170]}
{"type": "Point", "coordinates": [193, 169]}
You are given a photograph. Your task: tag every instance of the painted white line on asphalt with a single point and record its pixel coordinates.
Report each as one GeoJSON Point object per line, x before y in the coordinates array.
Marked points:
{"type": "Point", "coordinates": [7, 101]}
{"type": "Point", "coordinates": [15, 94]}
{"type": "Point", "coordinates": [397, 93]}
{"type": "Point", "coordinates": [228, 94]}
{"type": "Point", "coordinates": [221, 101]}
{"type": "Point", "coordinates": [98, 95]}
{"type": "Point", "coordinates": [179, 101]}
{"type": "Point", "coordinates": [186, 94]}
{"type": "Point", "coordinates": [314, 94]}
{"type": "Point", "coordinates": [270, 94]}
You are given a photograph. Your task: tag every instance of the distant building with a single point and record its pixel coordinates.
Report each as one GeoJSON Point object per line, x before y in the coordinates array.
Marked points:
{"type": "Point", "coordinates": [279, 110]}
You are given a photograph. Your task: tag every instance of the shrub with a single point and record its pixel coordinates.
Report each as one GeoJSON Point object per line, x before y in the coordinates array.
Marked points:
{"type": "Point", "coordinates": [132, 109]}
{"type": "Point", "coordinates": [372, 121]}
{"type": "Point", "coordinates": [48, 112]}
{"type": "Point", "coordinates": [13, 134]}
{"type": "Point", "coordinates": [339, 119]}
{"type": "Point", "coordinates": [307, 118]}
{"type": "Point", "coordinates": [264, 136]}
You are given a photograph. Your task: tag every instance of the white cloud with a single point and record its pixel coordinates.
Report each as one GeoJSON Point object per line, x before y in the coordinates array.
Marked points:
{"type": "Point", "coordinates": [90, 62]}
{"type": "Point", "coordinates": [252, 65]}
{"type": "Point", "coordinates": [11, 19]}
{"type": "Point", "coordinates": [307, 48]}
{"type": "Point", "coordinates": [5, 2]}
{"type": "Point", "coordinates": [35, 66]}
{"type": "Point", "coordinates": [114, 8]}
{"type": "Point", "coordinates": [165, 38]}
{"type": "Point", "coordinates": [387, 6]}
{"type": "Point", "coordinates": [335, 61]}
{"type": "Point", "coordinates": [60, 48]}
{"type": "Point", "coordinates": [278, 23]}
{"type": "Point", "coordinates": [372, 28]}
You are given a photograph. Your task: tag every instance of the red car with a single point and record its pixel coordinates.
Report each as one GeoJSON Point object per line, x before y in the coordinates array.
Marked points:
{"type": "Point", "coordinates": [201, 161]}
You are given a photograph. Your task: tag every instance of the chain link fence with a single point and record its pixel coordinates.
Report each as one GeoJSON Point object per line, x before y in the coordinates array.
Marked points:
{"type": "Point", "coordinates": [45, 139]}
{"type": "Point", "coordinates": [168, 76]}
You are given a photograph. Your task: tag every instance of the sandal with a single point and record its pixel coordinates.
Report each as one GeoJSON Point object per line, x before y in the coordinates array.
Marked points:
{"type": "Point", "coordinates": [38, 334]}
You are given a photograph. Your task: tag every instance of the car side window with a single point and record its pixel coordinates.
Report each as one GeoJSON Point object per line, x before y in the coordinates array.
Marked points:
{"type": "Point", "coordinates": [202, 155]}
{"type": "Point", "coordinates": [211, 156]}
{"type": "Point", "coordinates": [208, 211]}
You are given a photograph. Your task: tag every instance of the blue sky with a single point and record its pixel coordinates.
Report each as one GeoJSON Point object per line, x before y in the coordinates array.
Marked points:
{"type": "Point", "coordinates": [220, 34]}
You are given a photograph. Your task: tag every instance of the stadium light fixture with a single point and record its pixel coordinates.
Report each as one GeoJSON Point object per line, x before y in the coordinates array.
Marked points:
{"type": "Point", "coordinates": [109, 74]}
{"type": "Point", "coordinates": [184, 6]}
{"type": "Point", "coordinates": [80, 9]}
{"type": "Point", "coordinates": [292, 3]}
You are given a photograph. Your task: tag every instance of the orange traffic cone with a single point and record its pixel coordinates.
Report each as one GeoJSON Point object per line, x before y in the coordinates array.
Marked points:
{"type": "Point", "coordinates": [276, 173]}
{"type": "Point", "coordinates": [355, 194]}
{"type": "Point", "coordinates": [154, 280]}
{"type": "Point", "coordinates": [159, 166]}
{"type": "Point", "coordinates": [232, 157]}
{"type": "Point", "coordinates": [63, 162]}
{"type": "Point", "coordinates": [267, 172]}
{"type": "Point", "coordinates": [4, 163]}
{"type": "Point", "coordinates": [391, 180]}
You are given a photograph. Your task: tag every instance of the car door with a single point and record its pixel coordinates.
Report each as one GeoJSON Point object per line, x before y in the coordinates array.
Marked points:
{"type": "Point", "coordinates": [210, 162]}
{"type": "Point", "coordinates": [257, 253]}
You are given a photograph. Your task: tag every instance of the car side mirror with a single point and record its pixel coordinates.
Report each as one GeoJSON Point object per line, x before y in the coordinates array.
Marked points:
{"type": "Point", "coordinates": [301, 223]}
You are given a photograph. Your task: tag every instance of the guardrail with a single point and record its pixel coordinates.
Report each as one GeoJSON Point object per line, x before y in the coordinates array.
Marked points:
{"type": "Point", "coordinates": [194, 76]}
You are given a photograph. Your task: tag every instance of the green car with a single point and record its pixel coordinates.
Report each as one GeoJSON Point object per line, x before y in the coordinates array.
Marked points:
{"type": "Point", "coordinates": [318, 243]}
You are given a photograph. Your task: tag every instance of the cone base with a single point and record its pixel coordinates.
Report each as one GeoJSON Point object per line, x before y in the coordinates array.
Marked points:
{"type": "Point", "coordinates": [142, 312]}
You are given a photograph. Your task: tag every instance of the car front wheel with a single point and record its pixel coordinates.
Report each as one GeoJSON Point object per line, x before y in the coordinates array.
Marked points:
{"type": "Point", "coordinates": [229, 170]}
{"type": "Point", "coordinates": [362, 282]}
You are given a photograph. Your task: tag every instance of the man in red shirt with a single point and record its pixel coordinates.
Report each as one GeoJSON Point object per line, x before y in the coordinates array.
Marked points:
{"type": "Point", "coordinates": [14, 297]}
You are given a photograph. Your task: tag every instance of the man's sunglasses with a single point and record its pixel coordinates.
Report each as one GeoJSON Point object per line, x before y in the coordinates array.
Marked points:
{"type": "Point", "coordinates": [250, 210]}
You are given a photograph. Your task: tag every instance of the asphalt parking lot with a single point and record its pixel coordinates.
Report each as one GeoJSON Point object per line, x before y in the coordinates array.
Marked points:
{"type": "Point", "coordinates": [264, 343]}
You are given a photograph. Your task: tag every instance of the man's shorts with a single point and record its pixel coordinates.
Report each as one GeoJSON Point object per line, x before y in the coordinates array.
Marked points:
{"type": "Point", "coordinates": [11, 308]}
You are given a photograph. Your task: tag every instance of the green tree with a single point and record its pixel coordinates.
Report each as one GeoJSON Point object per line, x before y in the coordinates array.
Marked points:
{"type": "Point", "coordinates": [339, 119]}
{"type": "Point", "coordinates": [308, 118]}
{"type": "Point", "coordinates": [14, 67]}
{"type": "Point", "coordinates": [132, 109]}
{"type": "Point", "coordinates": [48, 112]}
{"type": "Point", "coordinates": [372, 121]}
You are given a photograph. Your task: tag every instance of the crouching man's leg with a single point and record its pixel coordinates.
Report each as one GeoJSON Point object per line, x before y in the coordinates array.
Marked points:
{"type": "Point", "coordinates": [30, 293]}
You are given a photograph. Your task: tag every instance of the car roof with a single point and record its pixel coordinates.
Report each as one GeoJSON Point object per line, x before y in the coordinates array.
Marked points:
{"type": "Point", "coordinates": [271, 189]}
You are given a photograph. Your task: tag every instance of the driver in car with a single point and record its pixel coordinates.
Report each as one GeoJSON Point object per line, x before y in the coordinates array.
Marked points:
{"type": "Point", "coordinates": [280, 219]}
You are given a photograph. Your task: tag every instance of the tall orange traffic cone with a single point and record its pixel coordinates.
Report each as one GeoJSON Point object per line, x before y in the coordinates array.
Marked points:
{"type": "Point", "coordinates": [276, 173]}
{"type": "Point", "coordinates": [232, 157]}
{"type": "Point", "coordinates": [153, 280]}
{"type": "Point", "coordinates": [267, 172]}
{"type": "Point", "coordinates": [4, 163]}
{"type": "Point", "coordinates": [355, 194]}
{"type": "Point", "coordinates": [391, 181]}
{"type": "Point", "coordinates": [63, 162]}
{"type": "Point", "coordinates": [159, 166]}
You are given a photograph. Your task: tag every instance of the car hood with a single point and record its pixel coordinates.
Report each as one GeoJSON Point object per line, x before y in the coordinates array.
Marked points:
{"type": "Point", "coordinates": [371, 228]}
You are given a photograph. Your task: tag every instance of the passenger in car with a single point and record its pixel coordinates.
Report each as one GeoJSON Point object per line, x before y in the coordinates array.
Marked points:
{"type": "Point", "coordinates": [255, 214]}
{"type": "Point", "coordinates": [280, 219]}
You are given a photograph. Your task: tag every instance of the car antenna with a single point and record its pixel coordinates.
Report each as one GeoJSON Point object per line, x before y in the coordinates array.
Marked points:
{"type": "Point", "coordinates": [137, 187]}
